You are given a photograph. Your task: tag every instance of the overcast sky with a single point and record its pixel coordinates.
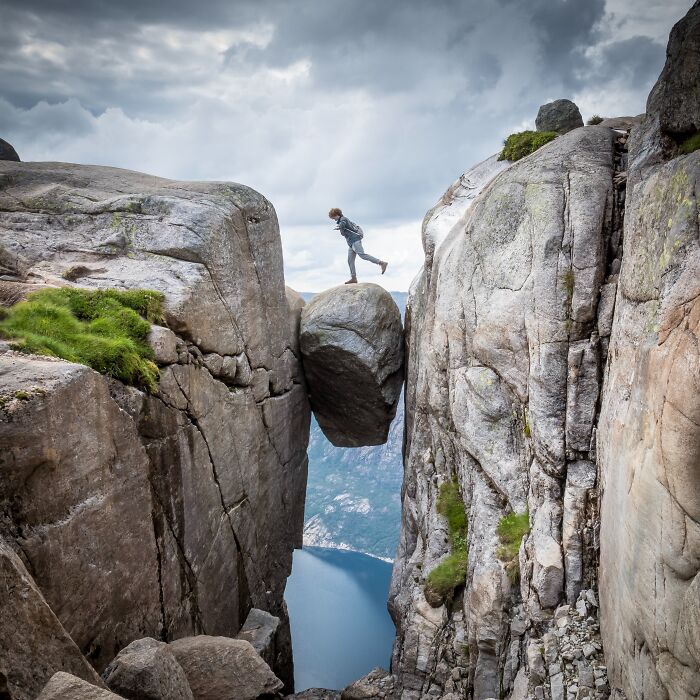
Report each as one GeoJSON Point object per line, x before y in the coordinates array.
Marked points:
{"type": "Point", "coordinates": [375, 106]}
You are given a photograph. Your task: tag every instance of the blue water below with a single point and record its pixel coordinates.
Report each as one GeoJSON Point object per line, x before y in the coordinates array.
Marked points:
{"type": "Point", "coordinates": [341, 629]}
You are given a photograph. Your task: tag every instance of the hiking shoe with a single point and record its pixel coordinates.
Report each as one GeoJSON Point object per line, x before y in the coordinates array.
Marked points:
{"type": "Point", "coordinates": [352, 280]}
{"type": "Point", "coordinates": [383, 265]}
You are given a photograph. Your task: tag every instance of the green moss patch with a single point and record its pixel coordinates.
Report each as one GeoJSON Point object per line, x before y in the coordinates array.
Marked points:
{"type": "Point", "coordinates": [451, 572]}
{"type": "Point", "coordinates": [511, 530]}
{"type": "Point", "coordinates": [104, 329]}
{"type": "Point", "coordinates": [522, 144]}
{"type": "Point", "coordinates": [692, 144]}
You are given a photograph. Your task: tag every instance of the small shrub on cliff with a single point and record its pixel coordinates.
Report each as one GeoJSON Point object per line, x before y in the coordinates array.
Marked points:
{"type": "Point", "coordinates": [692, 144]}
{"type": "Point", "coordinates": [451, 572]}
{"type": "Point", "coordinates": [595, 119]}
{"type": "Point", "coordinates": [104, 329]}
{"type": "Point", "coordinates": [511, 530]}
{"type": "Point", "coordinates": [522, 144]}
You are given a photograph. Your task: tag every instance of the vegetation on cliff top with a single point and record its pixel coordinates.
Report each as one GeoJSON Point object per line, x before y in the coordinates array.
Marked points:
{"type": "Point", "coordinates": [104, 329]}
{"type": "Point", "coordinates": [523, 143]}
{"type": "Point", "coordinates": [595, 119]}
{"type": "Point", "coordinates": [451, 572]}
{"type": "Point", "coordinates": [511, 530]}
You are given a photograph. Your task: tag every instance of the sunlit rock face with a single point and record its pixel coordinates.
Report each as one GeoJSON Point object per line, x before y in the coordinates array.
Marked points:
{"type": "Point", "coordinates": [351, 342]}
{"type": "Point", "coordinates": [164, 514]}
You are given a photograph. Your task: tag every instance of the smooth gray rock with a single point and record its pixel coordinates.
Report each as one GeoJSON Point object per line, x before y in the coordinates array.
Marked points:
{"type": "Point", "coordinates": [164, 344]}
{"type": "Point", "coordinates": [33, 643]}
{"type": "Point", "coordinates": [351, 341]}
{"type": "Point", "coordinates": [560, 116]}
{"type": "Point", "coordinates": [219, 668]}
{"type": "Point", "coordinates": [7, 152]}
{"type": "Point", "coordinates": [64, 686]}
{"type": "Point", "coordinates": [375, 685]}
{"type": "Point", "coordinates": [147, 670]}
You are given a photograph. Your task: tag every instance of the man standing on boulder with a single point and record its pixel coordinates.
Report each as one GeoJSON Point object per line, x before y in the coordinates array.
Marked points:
{"type": "Point", "coordinates": [353, 235]}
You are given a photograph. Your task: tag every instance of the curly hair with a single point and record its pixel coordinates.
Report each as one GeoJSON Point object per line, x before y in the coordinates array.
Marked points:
{"type": "Point", "coordinates": [335, 213]}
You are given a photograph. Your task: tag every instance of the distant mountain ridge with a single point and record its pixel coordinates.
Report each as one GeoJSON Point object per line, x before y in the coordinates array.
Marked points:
{"type": "Point", "coordinates": [353, 497]}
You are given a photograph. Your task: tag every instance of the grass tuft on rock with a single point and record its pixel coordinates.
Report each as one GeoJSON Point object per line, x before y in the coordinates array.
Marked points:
{"type": "Point", "coordinates": [511, 530]}
{"type": "Point", "coordinates": [104, 329]}
{"type": "Point", "coordinates": [523, 143]}
{"type": "Point", "coordinates": [691, 144]}
{"type": "Point", "coordinates": [451, 572]}
{"type": "Point", "coordinates": [595, 119]}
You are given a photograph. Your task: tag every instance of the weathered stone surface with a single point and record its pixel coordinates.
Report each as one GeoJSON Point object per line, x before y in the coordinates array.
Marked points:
{"type": "Point", "coordinates": [219, 668]}
{"type": "Point", "coordinates": [375, 685]}
{"type": "Point", "coordinates": [502, 345]}
{"type": "Point", "coordinates": [649, 434]}
{"type": "Point", "coordinates": [260, 629]}
{"type": "Point", "coordinates": [621, 123]}
{"type": "Point", "coordinates": [561, 116]}
{"type": "Point", "coordinates": [76, 483]}
{"type": "Point", "coordinates": [64, 686]}
{"type": "Point", "coordinates": [172, 514]}
{"type": "Point", "coordinates": [7, 152]}
{"type": "Point", "coordinates": [315, 694]}
{"type": "Point", "coordinates": [352, 344]}
{"type": "Point", "coordinates": [147, 670]}
{"type": "Point", "coordinates": [164, 344]}
{"type": "Point", "coordinates": [33, 643]}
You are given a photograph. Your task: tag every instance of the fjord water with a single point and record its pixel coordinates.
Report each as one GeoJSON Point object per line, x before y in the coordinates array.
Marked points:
{"type": "Point", "coordinates": [341, 629]}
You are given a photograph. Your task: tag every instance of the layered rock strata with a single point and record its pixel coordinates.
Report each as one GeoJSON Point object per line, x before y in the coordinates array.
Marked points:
{"type": "Point", "coordinates": [159, 515]}
{"type": "Point", "coordinates": [351, 342]}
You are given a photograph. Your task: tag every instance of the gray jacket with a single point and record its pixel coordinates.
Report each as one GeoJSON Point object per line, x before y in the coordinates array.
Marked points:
{"type": "Point", "coordinates": [346, 230]}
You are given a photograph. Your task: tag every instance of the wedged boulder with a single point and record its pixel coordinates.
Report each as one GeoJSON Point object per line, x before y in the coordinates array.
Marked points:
{"type": "Point", "coordinates": [64, 686]}
{"type": "Point", "coordinates": [33, 643]}
{"type": "Point", "coordinates": [7, 152]}
{"type": "Point", "coordinates": [351, 342]}
{"type": "Point", "coordinates": [315, 694]}
{"type": "Point", "coordinates": [220, 668]}
{"type": "Point", "coordinates": [560, 116]}
{"type": "Point", "coordinates": [147, 670]}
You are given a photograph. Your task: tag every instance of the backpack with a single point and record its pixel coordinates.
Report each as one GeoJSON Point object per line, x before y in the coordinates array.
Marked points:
{"type": "Point", "coordinates": [356, 229]}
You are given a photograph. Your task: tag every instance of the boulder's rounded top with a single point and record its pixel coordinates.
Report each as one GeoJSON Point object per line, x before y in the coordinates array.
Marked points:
{"type": "Point", "coordinates": [7, 152]}
{"type": "Point", "coordinates": [560, 116]}
{"type": "Point", "coordinates": [362, 300]}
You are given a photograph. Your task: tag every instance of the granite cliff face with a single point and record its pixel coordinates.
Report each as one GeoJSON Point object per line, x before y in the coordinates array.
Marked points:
{"type": "Point", "coordinates": [126, 514]}
{"type": "Point", "coordinates": [553, 365]}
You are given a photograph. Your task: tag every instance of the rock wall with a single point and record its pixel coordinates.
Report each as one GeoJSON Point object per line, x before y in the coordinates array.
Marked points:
{"type": "Point", "coordinates": [158, 515]}
{"type": "Point", "coordinates": [552, 363]}
{"type": "Point", "coordinates": [649, 430]}
{"type": "Point", "coordinates": [504, 348]}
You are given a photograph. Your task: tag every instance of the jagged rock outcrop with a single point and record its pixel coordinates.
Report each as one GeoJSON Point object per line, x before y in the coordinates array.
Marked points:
{"type": "Point", "coordinates": [7, 152]}
{"type": "Point", "coordinates": [561, 116]}
{"type": "Point", "coordinates": [649, 429]}
{"type": "Point", "coordinates": [504, 344]}
{"type": "Point", "coordinates": [351, 342]}
{"type": "Point", "coordinates": [174, 513]}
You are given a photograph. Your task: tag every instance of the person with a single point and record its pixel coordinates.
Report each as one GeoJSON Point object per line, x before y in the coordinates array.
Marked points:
{"type": "Point", "coordinates": [353, 235]}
